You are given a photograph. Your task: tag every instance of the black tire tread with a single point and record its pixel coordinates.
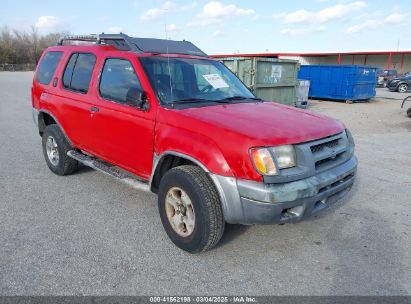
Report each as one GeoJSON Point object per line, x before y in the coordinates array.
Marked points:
{"type": "Point", "coordinates": [214, 213]}
{"type": "Point", "coordinates": [70, 165]}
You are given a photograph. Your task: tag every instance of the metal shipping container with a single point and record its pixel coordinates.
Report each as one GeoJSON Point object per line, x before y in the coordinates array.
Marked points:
{"type": "Point", "coordinates": [341, 82]}
{"type": "Point", "coordinates": [268, 78]}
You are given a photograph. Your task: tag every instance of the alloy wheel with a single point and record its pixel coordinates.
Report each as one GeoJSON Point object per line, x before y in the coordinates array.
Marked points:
{"type": "Point", "coordinates": [52, 151]}
{"type": "Point", "coordinates": [180, 211]}
{"type": "Point", "coordinates": [402, 88]}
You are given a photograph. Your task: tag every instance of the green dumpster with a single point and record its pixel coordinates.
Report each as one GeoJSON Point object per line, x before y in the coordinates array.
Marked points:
{"type": "Point", "coordinates": [268, 78]}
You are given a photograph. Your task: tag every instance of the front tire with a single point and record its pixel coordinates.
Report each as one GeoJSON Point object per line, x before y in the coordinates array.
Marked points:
{"type": "Point", "coordinates": [190, 209]}
{"type": "Point", "coordinates": [55, 148]}
{"type": "Point", "coordinates": [402, 88]}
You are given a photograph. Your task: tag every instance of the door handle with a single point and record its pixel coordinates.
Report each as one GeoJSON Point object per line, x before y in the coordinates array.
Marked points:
{"type": "Point", "coordinates": [94, 109]}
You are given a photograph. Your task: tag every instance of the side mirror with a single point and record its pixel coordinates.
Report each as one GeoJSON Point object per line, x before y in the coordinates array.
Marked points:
{"type": "Point", "coordinates": [137, 97]}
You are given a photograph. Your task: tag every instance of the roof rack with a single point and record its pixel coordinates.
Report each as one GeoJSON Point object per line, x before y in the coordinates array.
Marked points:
{"type": "Point", "coordinates": [139, 45]}
{"type": "Point", "coordinates": [91, 38]}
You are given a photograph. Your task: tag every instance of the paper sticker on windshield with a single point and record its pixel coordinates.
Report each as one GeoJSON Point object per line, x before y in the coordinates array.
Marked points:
{"type": "Point", "coordinates": [216, 81]}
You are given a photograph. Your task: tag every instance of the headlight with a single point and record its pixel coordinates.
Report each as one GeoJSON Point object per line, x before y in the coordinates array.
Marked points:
{"type": "Point", "coordinates": [285, 156]}
{"type": "Point", "coordinates": [268, 161]}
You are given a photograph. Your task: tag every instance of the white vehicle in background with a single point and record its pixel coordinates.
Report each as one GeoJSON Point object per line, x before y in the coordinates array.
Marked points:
{"type": "Point", "coordinates": [384, 77]}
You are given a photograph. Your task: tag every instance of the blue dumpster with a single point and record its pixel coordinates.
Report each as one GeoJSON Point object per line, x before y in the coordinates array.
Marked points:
{"type": "Point", "coordinates": [340, 82]}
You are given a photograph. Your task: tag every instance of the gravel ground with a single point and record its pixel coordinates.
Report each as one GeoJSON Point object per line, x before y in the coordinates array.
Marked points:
{"type": "Point", "coordinates": [86, 234]}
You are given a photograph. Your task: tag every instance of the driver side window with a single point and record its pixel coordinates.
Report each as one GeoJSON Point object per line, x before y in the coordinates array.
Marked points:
{"type": "Point", "coordinates": [117, 78]}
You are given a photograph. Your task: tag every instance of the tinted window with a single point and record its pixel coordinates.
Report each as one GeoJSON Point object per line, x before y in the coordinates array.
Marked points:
{"type": "Point", "coordinates": [69, 71]}
{"type": "Point", "coordinates": [176, 79]}
{"type": "Point", "coordinates": [164, 73]}
{"type": "Point", "coordinates": [47, 67]}
{"type": "Point", "coordinates": [117, 78]}
{"type": "Point", "coordinates": [78, 72]}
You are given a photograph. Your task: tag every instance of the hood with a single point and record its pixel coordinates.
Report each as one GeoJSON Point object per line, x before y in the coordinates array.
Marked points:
{"type": "Point", "coordinates": [264, 124]}
{"type": "Point", "coordinates": [398, 79]}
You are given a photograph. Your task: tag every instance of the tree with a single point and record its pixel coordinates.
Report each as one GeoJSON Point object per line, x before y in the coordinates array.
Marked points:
{"type": "Point", "coordinates": [22, 47]}
{"type": "Point", "coordinates": [6, 45]}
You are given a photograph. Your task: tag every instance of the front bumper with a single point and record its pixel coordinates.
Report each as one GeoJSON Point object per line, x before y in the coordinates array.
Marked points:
{"type": "Point", "coordinates": [392, 87]}
{"type": "Point", "coordinates": [248, 202]}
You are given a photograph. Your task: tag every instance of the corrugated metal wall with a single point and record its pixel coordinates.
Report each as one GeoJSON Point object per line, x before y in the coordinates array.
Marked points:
{"type": "Point", "coordinates": [402, 63]}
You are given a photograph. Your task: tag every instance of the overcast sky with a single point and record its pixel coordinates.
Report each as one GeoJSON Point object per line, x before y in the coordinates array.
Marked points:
{"type": "Point", "coordinates": [220, 27]}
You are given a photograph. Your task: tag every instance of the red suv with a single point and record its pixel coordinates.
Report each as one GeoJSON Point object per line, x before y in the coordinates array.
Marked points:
{"type": "Point", "coordinates": [162, 116]}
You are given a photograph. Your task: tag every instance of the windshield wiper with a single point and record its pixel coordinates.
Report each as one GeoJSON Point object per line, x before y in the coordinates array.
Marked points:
{"type": "Point", "coordinates": [224, 100]}
{"type": "Point", "coordinates": [188, 100]}
{"type": "Point", "coordinates": [193, 100]}
{"type": "Point", "coordinates": [238, 97]}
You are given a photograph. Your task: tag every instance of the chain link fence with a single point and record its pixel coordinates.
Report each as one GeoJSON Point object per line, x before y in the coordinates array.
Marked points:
{"type": "Point", "coordinates": [17, 67]}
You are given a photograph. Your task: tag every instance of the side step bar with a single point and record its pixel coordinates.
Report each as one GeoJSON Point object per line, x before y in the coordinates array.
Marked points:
{"type": "Point", "coordinates": [110, 170]}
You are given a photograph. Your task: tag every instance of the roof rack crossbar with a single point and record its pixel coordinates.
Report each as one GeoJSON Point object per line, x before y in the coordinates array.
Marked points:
{"type": "Point", "coordinates": [120, 41]}
{"type": "Point", "coordinates": [139, 45]}
{"type": "Point", "coordinates": [91, 38]}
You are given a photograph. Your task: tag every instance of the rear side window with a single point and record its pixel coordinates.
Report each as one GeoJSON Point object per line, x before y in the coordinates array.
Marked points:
{"type": "Point", "coordinates": [78, 72]}
{"type": "Point", "coordinates": [48, 66]}
{"type": "Point", "coordinates": [117, 78]}
{"type": "Point", "coordinates": [69, 71]}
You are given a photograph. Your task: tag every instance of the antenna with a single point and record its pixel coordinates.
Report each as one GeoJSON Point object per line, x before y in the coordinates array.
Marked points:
{"type": "Point", "coordinates": [168, 56]}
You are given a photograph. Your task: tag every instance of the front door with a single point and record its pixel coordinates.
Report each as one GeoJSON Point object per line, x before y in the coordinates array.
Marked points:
{"type": "Point", "coordinates": [123, 133]}
{"type": "Point", "coordinates": [72, 97]}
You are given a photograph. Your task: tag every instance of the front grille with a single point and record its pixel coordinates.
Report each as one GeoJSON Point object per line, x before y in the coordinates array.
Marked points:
{"type": "Point", "coordinates": [314, 157]}
{"type": "Point", "coordinates": [330, 151]}
{"type": "Point", "coordinates": [328, 161]}
{"type": "Point", "coordinates": [329, 144]}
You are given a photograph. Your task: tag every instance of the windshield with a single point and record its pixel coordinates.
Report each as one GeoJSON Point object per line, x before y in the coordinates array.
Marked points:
{"type": "Point", "coordinates": [193, 80]}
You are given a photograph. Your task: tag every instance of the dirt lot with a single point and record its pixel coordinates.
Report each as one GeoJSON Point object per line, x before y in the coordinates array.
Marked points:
{"type": "Point", "coordinates": [87, 234]}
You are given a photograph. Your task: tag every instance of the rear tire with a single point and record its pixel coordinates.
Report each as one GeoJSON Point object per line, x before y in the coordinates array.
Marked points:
{"type": "Point", "coordinates": [409, 112]}
{"type": "Point", "coordinates": [195, 201]}
{"type": "Point", "coordinates": [55, 148]}
{"type": "Point", "coordinates": [402, 88]}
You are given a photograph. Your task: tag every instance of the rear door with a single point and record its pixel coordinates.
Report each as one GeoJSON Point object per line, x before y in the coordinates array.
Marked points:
{"type": "Point", "coordinates": [122, 133]}
{"type": "Point", "coordinates": [73, 99]}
